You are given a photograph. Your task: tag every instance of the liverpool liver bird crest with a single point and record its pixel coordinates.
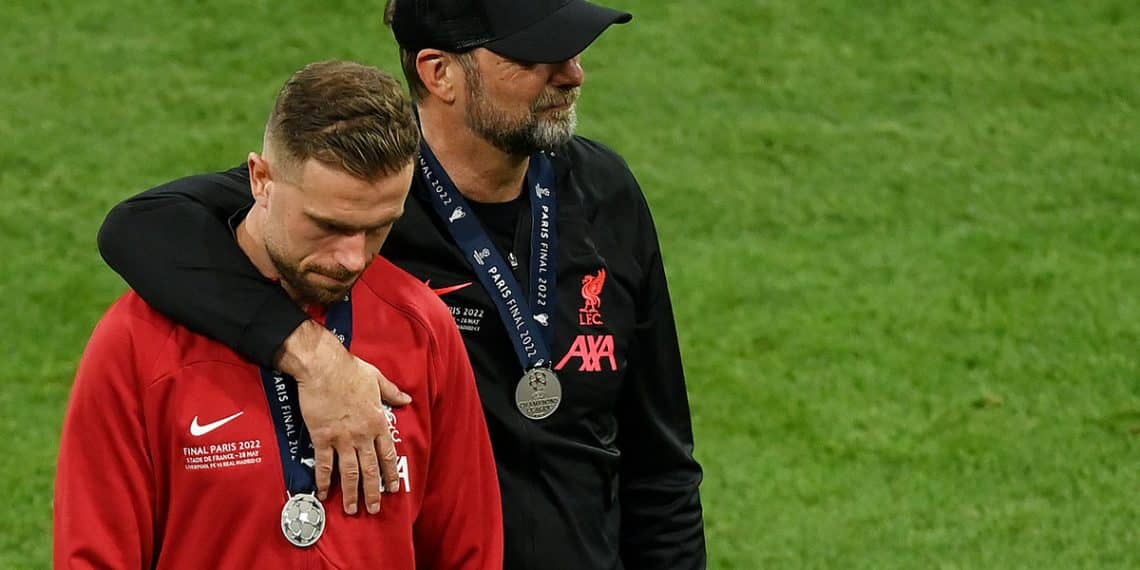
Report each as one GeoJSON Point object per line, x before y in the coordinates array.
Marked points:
{"type": "Point", "coordinates": [591, 293]}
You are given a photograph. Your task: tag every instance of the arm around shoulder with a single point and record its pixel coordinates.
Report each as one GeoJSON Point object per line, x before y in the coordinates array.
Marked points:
{"type": "Point", "coordinates": [174, 246]}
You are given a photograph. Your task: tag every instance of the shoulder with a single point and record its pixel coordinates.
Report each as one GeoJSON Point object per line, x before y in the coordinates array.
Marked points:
{"type": "Point", "coordinates": [131, 314]}
{"type": "Point", "coordinates": [597, 176]}
{"type": "Point", "coordinates": [592, 159]}
{"type": "Point", "coordinates": [131, 334]}
{"type": "Point", "coordinates": [234, 179]}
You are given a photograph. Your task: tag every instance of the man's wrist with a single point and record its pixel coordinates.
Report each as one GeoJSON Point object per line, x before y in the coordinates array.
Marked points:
{"type": "Point", "coordinates": [308, 348]}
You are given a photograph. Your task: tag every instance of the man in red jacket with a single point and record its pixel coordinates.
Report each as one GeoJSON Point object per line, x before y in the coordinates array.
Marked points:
{"type": "Point", "coordinates": [179, 453]}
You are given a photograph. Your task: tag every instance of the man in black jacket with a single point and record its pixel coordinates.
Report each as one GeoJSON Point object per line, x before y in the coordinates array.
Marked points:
{"type": "Point", "coordinates": [541, 244]}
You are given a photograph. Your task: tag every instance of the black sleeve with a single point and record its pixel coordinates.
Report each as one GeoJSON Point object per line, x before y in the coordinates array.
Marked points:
{"type": "Point", "coordinates": [662, 522]}
{"type": "Point", "coordinates": [174, 246]}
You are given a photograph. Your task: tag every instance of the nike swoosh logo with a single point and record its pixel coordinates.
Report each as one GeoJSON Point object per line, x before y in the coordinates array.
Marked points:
{"type": "Point", "coordinates": [199, 430]}
{"type": "Point", "coordinates": [445, 290]}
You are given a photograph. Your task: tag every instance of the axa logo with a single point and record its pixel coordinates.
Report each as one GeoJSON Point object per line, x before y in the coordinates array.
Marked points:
{"type": "Point", "coordinates": [590, 314]}
{"type": "Point", "coordinates": [593, 350]}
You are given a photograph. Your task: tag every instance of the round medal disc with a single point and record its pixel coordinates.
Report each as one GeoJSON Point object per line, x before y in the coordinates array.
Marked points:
{"type": "Point", "coordinates": [303, 520]}
{"type": "Point", "coordinates": [538, 393]}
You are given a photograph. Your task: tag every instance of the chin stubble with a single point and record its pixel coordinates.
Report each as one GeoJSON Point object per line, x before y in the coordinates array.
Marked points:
{"type": "Point", "coordinates": [526, 136]}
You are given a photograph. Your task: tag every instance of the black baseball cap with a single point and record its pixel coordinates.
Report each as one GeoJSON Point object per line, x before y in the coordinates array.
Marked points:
{"type": "Point", "coordinates": [534, 31]}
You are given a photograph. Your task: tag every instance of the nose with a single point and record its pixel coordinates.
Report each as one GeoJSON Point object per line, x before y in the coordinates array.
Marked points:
{"type": "Point", "coordinates": [352, 252]}
{"type": "Point", "coordinates": [569, 73]}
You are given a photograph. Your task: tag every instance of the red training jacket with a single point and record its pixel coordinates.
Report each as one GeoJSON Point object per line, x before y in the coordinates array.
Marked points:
{"type": "Point", "coordinates": [169, 460]}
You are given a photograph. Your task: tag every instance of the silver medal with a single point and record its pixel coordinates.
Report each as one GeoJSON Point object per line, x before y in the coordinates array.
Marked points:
{"type": "Point", "coordinates": [538, 393]}
{"type": "Point", "coordinates": [303, 520]}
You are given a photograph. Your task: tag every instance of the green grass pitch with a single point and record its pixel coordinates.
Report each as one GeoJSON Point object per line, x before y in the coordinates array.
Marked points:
{"type": "Point", "coordinates": [903, 240]}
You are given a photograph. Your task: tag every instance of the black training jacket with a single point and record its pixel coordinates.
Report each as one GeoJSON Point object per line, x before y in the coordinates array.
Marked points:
{"type": "Point", "coordinates": [609, 480]}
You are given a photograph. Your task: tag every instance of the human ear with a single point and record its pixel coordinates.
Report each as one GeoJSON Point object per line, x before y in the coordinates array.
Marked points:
{"type": "Point", "coordinates": [260, 178]}
{"type": "Point", "coordinates": [440, 73]}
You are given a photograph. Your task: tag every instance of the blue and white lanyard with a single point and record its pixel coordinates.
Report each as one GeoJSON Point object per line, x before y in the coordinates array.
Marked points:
{"type": "Point", "coordinates": [528, 321]}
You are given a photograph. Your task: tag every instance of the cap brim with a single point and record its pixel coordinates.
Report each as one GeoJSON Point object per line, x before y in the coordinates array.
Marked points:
{"type": "Point", "coordinates": [560, 36]}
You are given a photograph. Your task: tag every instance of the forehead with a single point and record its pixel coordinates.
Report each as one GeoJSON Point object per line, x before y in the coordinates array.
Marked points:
{"type": "Point", "coordinates": [333, 194]}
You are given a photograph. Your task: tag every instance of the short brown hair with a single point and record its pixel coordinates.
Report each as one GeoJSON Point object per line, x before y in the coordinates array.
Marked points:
{"type": "Point", "coordinates": [345, 115]}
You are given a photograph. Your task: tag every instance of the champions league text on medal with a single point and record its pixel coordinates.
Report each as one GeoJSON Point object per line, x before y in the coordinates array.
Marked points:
{"type": "Point", "coordinates": [538, 393]}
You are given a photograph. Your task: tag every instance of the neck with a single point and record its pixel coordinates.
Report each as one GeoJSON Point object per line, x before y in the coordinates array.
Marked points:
{"type": "Point", "coordinates": [251, 239]}
{"type": "Point", "coordinates": [480, 171]}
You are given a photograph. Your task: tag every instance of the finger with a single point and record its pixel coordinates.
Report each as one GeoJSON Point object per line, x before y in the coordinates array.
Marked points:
{"type": "Point", "coordinates": [366, 452]}
{"type": "Point", "coordinates": [349, 478]}
{"type": "Point", "coordinates": [324, 468]}
{"type": "Point", "coordinates": [391, 394]}
{"type": "Point", "coordinates": [387, 450]}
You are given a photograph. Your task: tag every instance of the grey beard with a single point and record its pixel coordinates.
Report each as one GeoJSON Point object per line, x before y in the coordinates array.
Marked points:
{"type": "Point", "coordinates": [549, 134]}
{"type": "Point", "coordinates": [525, 138]}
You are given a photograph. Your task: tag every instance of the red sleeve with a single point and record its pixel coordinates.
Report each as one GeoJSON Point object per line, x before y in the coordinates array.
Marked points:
{"type": "Point", "coordinates": [104, 492]}
{"type": "Point", "coordinates": [461, 521]}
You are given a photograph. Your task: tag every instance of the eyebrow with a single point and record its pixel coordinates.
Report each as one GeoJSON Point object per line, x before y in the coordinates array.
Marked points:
{"type": "Point", "coordinates": [341, 226]}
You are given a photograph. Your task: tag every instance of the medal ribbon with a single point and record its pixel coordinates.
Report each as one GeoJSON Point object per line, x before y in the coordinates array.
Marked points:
{"type": "Point", "coordinates": [525, 319]}
{"type": "Point", "coordinates": [293, 439]}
